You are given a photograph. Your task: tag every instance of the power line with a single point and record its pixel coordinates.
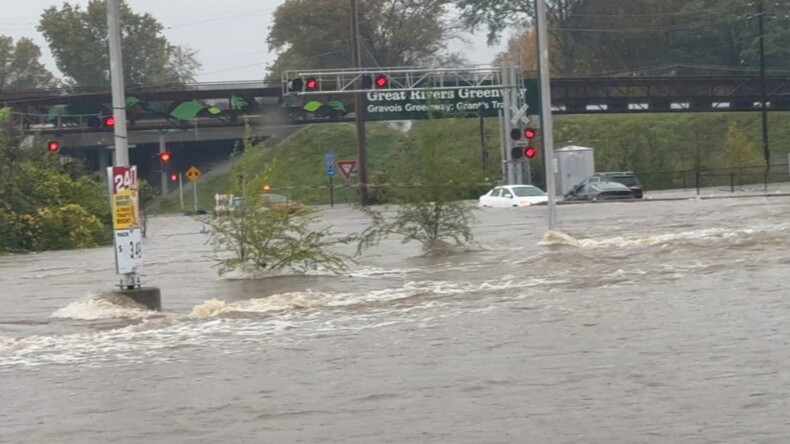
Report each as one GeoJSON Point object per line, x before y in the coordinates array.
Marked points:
{"type": "Point", "coordinates": [655, 29]}
{"type": "Point", "coordinates": [658, 14]}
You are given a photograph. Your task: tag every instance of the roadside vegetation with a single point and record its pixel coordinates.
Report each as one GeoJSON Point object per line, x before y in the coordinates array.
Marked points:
{"type": "Point", "coordinates": [46, 203]}
{"type": "Point", "coordinates": [252, 236]}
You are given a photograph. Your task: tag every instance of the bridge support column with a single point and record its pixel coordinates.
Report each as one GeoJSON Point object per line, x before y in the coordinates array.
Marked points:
{"type": "Point", "coordinates": [104, 160]}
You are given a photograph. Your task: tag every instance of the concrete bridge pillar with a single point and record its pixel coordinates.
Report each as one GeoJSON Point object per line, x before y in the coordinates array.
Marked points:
{"type": "Point", "coordinates": [104, 160]}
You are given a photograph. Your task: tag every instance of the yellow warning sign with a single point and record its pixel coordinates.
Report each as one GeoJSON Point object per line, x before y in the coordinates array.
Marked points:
{"type": "Point", "coordinates": [193, 174]}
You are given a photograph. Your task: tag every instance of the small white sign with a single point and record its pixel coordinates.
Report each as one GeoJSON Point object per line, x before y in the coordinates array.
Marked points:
{"type": "Point", "coordinates": [129, 250]}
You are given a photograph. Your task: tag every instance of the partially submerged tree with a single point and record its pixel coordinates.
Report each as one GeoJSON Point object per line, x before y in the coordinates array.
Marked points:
{"type": "Point", "coordinates": [78, 40]}
{"type": "Point", "coordinates": [20, 67]}
{"type": "Point", "coordinates": [265, 239]}
{"type": "Point", "coordinates": [259, 237]}
{"type": "Point", "coordinates": [431, 211]}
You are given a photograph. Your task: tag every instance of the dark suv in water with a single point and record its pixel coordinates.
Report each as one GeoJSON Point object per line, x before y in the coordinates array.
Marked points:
{"type": "Point", "coordinates": [626, 178]}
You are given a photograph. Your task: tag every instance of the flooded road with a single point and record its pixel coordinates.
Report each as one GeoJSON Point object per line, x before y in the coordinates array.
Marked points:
{"type": "Point", "coordinates": [635, 322]}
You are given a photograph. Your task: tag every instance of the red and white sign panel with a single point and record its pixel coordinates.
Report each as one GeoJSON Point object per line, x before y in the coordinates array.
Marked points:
{"type": "Point", "coordinates": [347, 167]}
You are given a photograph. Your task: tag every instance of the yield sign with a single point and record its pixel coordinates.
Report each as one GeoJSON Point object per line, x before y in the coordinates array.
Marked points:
{"type": "Point", "coordinates": [346, 167]}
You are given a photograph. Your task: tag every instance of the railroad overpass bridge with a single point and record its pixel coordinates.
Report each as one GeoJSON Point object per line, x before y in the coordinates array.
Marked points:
{"type": "Point", "coordinates": [190, 114]}
{"type": "Point", "coordinates": [218, 110]}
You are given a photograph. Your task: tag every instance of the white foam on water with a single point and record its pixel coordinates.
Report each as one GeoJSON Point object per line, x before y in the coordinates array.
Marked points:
{"type": "Point", "coordinates": [104, 306]}
{"type": "Point", "coordinates": [291, 317]}
{"type": "Point", "coordinates": [313, 299]}
{"type": "Point", "coordinates": [556, 238]}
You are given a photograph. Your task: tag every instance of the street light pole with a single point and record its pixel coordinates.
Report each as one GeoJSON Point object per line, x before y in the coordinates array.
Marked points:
{"type": "Point", "coordinates": [545, 109]}
{"type": "Point", "coordinates": [764, 92]}
{"type": "Point", "coordinates": [359, 108]}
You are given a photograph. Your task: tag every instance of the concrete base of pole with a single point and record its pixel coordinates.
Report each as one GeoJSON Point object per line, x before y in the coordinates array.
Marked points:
{"type": "Point", "coordinates": [151, 297]}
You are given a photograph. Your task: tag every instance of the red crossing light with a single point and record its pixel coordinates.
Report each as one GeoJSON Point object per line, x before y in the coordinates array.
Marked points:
{"type": "Point", "coordinates": [530, 133]}
{"type": "Point", "coordinates": [108, 122]}
{"type": "Point", "coordinates": [530, 152]}
{"type": "Point", "coordinates": [173, 177]}
{"type": "Point", "coordinates": [382, 81]}
{"type": "Point", "coordinates": [311, 84]}
{"type": "Point", "coordinates": [164, 157]}
{"type": "Point", "coordinates": [53, 146]}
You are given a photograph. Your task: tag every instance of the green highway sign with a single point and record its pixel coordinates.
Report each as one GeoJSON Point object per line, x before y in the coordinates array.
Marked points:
{"type": "Point", "coordinates": [421, 104]}
{"type": "Point", "coordinates": [455, 102]}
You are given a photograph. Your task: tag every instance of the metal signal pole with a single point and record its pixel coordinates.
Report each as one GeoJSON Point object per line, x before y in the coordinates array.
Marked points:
{"type": "Point", "coordinates": [545, 109]}
{"type": "Point", "coordinates": [359, 108]}
{"type": "Point", "coordinates": [764, 92]}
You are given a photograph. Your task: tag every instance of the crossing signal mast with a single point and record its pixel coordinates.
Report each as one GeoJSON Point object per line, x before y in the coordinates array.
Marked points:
{"type": "Point", "coordinates": [360, 81]}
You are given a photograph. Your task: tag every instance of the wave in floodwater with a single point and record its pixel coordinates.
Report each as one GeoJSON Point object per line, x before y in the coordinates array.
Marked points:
{"type": "Point", "coordinates": [704, 237]}
{"type": "Point", "coordinates": [313, 300]}
{"type": "Point", "coordinates": [284, 317]}
{"type": "Point", "coordinates": [104, 306]}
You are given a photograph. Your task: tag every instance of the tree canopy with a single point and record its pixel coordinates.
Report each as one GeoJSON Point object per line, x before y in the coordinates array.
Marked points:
{"type": "Point", "coordinates": [316, 34]}
{"type": "Point", "coordinates": [642, 37]}
{"type": "Point", "coordinates": [77, 38]}
{"type": "Point", "coordinates": [20, 67]}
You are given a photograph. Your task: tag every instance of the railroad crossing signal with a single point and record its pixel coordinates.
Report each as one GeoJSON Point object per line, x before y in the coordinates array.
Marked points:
{"type": "Point", "coordinates": [519, 115]}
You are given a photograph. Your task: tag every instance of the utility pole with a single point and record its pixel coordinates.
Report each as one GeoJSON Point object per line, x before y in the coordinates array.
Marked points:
{"type": "Point", "coordinates": [545, 109]}
{"type": "Point", "coordinates": [116, 82]}
{"type": "Point", "coordinates": [359, 108]}
{"type": "Point", "coordinates": [764, 93]}
{"type": "Point", "coordinates": [127, 232]}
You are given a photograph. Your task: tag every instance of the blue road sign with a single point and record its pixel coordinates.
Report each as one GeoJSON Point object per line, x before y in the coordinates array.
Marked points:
{"type": "Point", "coordinates": [330, 164]}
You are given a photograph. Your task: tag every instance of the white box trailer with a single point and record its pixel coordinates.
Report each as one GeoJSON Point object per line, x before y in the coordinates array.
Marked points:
{"type": "Point", "coordinates": [572, 164]}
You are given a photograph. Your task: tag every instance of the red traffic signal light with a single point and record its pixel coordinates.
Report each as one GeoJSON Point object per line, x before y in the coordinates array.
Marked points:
{"type": "Point", "coordinates": [530, 152]}
{"type": "Point", "coordinates": [382, 81]}
{"type": "Point", "coordinates": [108, 122]}
{"type": "Point", "coordinates": [165, 157]}
{"type": "Point", "coordinates": [530, 133]}
{"type": "Point", "coordinates": [53, 146]}
{"type": "Point", "coordinates": [311, 84]}
{"type": "Point", "coordinates": [174, 177]}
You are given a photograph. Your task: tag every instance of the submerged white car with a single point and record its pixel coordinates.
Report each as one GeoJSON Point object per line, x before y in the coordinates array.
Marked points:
{"type": "Point", "coordinates": [513, 196]}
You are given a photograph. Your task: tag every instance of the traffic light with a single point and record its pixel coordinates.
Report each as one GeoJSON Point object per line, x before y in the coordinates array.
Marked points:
{"type": "Point", "coordinates": [530, 133]}
{"type": "Point", "coordinates": [296, 85]}
{"type": "Point", "coordinates": [515, 134]}
{"type": "Point", "coordinates": [530, 152]}
{"type": "Point", "coordinates": [311, 84]}
{"type": "Point", "coordinates": [53, 146]}
{"type": "Point", "coordinates": [382, 81]}
{"type": "Point", "coordinates": [165, 157]}
{"type": "Point", "coordinates": [108, 122]}
{"type": "Point", "coordinates": [516, 152]}
{"type": "Point", "coordinates": [174, 178]}
{"type": "Point", "coordinates": [367, 81]}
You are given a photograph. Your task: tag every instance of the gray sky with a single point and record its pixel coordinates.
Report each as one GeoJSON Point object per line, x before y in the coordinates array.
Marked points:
{"type": "Point", "coordinates": [229, 35]}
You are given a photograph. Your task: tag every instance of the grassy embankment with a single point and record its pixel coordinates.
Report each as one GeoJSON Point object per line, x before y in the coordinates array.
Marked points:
{"type": "Point", "coordinates": [657, 146]}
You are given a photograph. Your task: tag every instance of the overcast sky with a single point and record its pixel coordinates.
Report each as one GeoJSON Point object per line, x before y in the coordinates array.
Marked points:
{"type": "Point", "coordinates": [229, 35]}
